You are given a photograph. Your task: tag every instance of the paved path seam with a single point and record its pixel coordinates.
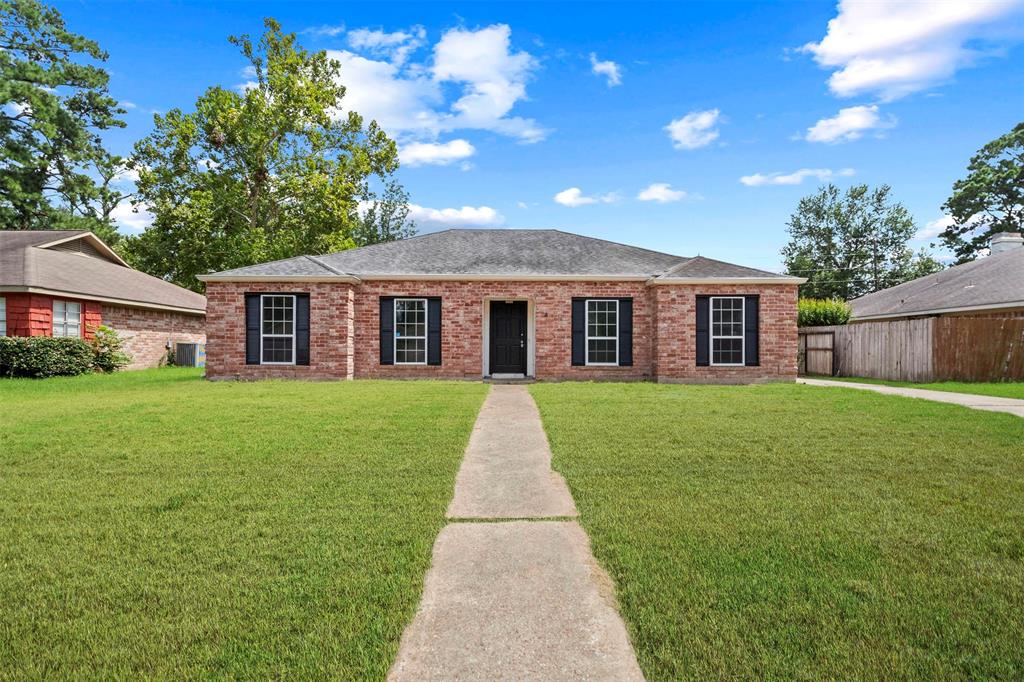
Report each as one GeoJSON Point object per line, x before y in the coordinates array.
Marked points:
{"type": "Point", "coordinates": [513, 591]}
{"type": "Point", "coordinates": [971, 400]}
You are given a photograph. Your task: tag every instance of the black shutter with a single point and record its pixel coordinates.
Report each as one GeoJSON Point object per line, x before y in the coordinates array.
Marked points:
{"type": "Point", "coordinates": [387, 330]}
{"type": "Point", "coordinates": [626, 332]}
{"type": "Point", "coordinates": [751, 324]}
{"type": "Point", "coordinates": [433, 331]}
{"type": "Point", "coordinates": [703, 335]}
{"type": "Point", "coordinates": [579, 331]}
{"type": "Point", "coordinates": [252, 329]}
{"type": "Point", "coordinates": [301, 329]}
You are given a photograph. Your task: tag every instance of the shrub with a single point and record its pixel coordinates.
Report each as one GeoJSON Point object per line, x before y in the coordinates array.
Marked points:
{"type": "Point", "coordinates": [107, 346]}
{"type": "Point", "coordinates": [820, 312]}
{"type": "Point", "coordinates": [44, 356]}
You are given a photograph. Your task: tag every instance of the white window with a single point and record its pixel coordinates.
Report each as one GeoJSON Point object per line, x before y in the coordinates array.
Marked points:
{"type": "Point", "coordinates": [410, 331]}
{"type": "Point", "coordinates": [67, 319]}
{"type": "Point", "coordinates": [277, 329]}
{"type": "Point", "coordinates": [727, 330]}
{"type": "Point", "coordinates": [3, 316]}
{"type": "Point", "coordinates": [603, 332]}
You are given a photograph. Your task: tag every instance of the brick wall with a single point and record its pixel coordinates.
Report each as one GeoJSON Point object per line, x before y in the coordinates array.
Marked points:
{"type": "Point", "coordinates": [32, 314]}
{"type": "Point", "coordinates": [330, 324]}
{"type": "Point", "coordinates": [146, 333]}
{"type": "Point", "coordinates": [345, 340]}
{"type": "Point", "coordinates": [676, 347]}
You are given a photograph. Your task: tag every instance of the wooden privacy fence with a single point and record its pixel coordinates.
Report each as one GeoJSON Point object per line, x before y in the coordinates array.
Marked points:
{"type": "Point", "coordinates": [928, 349]}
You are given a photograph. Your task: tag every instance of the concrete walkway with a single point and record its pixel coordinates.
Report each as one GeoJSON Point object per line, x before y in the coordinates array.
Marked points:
{"type": "Point", "coordinates": [517, 599]}
{"type": "Point", "coordinates": [976, 402]}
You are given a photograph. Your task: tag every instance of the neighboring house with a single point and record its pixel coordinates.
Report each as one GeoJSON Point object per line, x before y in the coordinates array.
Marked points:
{"type": "Point", "coordinates": [992, 285]}
{"type": "Point", "coordinates": [68, 283]}
{"type": "Point", "coordinates": [469, 304]}
{"type": "Point", "coordinates": [964, 323]}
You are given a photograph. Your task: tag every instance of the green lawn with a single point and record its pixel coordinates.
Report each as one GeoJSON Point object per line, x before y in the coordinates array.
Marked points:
{"type": "Point", "coordinates": [795, 532]}
{"type": "Point", "coordinates": [1009, 389]}
{"type": "Point", "coordinates": [155, 524]}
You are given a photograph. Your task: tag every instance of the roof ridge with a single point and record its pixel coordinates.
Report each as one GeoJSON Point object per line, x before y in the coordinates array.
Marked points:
{"type": "Point", "coordinates": [325, 266]}
{"type": "Point", "coordinates": [609, 241]}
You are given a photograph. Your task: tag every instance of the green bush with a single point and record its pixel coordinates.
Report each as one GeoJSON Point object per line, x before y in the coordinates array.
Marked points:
{"type": "Point", "coordinates": [44, 356]}
{"type": "Point", "coordinates": [820, 312]}
{"type": "Point", "coordinates": [108, 355]}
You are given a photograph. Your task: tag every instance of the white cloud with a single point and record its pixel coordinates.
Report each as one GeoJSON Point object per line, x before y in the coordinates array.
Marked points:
{"type": "Point", "coordinates": [849, 124]}
{"type": "Point", "coordinates": [574, 197]}
{"type": "Point", "coordinates": [125, 174]}
{"type": "Point", "coordinates": [696, 129]}
{"type": "Point", "coordinates": [934, 228]}
{"type": "Point", "coordinates": [324, 30]}
{"type": "Point", "coordinates": [128, 220]}
{"type": "Point", "coordinates": [467, 216]}
{"type": "Point", "coordinates": [436, 154]}
{"type": "Point", "coordinates": [894, 48]}
{"type": "Point", "coordinates": [661, 192]}
{"type": "Point", "coordinates": [522, 204]}
{"type": "Point", "coordinates": [127, 105]}
{"type": "Point", "coordinates": [795, 178]}
{"type": "Point", "coordinates": [396, 46]}
{"type": "Point", "coordinates": [410, 100]}
{"type": "Point", "coordinates": [609, 69]}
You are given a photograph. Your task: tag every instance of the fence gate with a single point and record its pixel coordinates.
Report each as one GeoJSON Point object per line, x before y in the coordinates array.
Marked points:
{"type": "Point", "coordinates": [817, 353]}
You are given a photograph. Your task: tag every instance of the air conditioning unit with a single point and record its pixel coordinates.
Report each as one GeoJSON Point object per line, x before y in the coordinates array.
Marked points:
{"type": "Point", "coordinates": [190, 354]}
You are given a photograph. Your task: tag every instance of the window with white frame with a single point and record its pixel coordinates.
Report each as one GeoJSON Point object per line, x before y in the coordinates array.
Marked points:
{"type": "Point", "coordinates": [277, 329]}
{"type": "Point", "coordinates": [410, 331]}
{"type": "Point", "coordinates": [3, 316]}
{"type": "Point", "coordinates": [602, 332]}
{"type": "Point", "coordinates": [67, 318]}
{"type": "Point", "coordinates": [727, 330]}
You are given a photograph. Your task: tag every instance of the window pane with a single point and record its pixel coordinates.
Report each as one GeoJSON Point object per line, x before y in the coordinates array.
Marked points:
{"type": "Point", "coordinates": [410, 318]}
{"type": "Point", "coordinates": [277, 349]}
{"type": "Point", "coordinates": [601, 350]}
{"type": "Point", "coordinates": [74, 309]}
{"type": "Point", "coordinates": [409, 351]}
{"type": "Point", "coordinates": [727, 351]}
{"type": "Point", "coordinates": [602, 318]}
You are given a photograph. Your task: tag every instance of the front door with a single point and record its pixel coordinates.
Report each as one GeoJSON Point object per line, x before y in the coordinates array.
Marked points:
{"type": "Point", "coordinates": [508, 337]}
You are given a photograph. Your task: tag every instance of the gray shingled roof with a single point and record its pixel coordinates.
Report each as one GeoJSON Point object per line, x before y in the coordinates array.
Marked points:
{"type": "Point", "coordinates": [995, 280]}
{"type": "Point", "coordinates": [503, 253]}
{"type": "Point", "coordinates": [25, 264]}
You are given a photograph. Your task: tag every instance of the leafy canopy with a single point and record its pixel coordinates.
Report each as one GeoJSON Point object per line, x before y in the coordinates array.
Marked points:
{"type": "Point", "coordinates": [852, 244]}
{"type": "Point", "coordinates": [822, 312]}
{"type": "Point", "coordinates": [274, 171]}
{"type": "Point", "coordinates": [54, 170]}
{"type": "Point", "coordinates": [990, 199]}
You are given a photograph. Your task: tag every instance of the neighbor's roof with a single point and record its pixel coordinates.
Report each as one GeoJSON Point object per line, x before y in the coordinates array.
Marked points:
{"type": "Point", "coordinates": [504, 254]}
{"type": "Point", "coordinates": [78, 263]}
{"type": "Point", "coordinates": [995, 281]}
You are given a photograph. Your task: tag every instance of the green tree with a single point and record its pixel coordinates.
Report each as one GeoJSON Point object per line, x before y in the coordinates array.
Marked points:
{"type": "Point", "coordinates": [271, 172]}
{"type": "Point", "coordinates": [852, 244]}
{"type": "Point", "coordinates": [990, 199]}
{"type": "Point", "coordinates": [53, 107]}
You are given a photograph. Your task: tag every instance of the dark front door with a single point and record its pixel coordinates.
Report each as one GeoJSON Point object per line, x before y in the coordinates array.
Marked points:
{"type": "Point", "coordinates": [508, 337]}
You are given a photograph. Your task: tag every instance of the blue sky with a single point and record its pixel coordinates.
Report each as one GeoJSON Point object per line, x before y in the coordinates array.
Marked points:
{"type": "Point", "coordinates": [688, 128]}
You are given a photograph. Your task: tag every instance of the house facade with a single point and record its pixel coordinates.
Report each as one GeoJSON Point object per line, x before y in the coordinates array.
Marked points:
{"type": "Point", "coordinates": [472, 304]}
{"type": "Point", "coordinates": [68, 283]}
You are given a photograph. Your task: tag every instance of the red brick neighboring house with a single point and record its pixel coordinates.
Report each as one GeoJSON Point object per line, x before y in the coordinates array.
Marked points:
{"type": "Point", "coordinates": [471, 304]}
{"type": "Point", "coordinates": [68, 283]}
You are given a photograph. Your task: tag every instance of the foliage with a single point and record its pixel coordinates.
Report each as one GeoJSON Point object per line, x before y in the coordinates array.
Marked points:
{"type": "Point", "coordinates": [853, 244]}
{"type": "Point", "coordinates": [53, 106]}
{"type": "Point", "coordinates": [235, 530]}
{"type": "Point", "coordinates": [794, 532]}
{"type": "Point", "coordinates": [990, 199]}
{"type": "Point", "coordinates": [271, 172]}
{"type": "Point", "coordinates": [44, 356]}
{"type": "Point", "coordinates": [821, 312]}
{"type": "Point", "coordinates": [107, 348]}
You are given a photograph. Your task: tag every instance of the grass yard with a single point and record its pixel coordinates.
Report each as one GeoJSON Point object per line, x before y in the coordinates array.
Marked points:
{"type": "Point", "coordinates": [1008, 389]}
{"type": "Point", "coordinates": [789, 531]}
{"type": "Point", "coordinates": [155, 524]}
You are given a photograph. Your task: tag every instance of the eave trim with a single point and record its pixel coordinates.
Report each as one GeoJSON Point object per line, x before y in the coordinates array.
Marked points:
{"type": "Point", "coordinates": [343, 279]}
{"type": "Point", "coordinates": [940, 311]}
{"type": "Point", "coordinates": [661, 281]}
{"type": "Point", "coordinates": [103, 299]}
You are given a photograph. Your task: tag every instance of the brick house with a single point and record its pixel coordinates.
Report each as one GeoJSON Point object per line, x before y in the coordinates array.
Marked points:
{"type": "Point", "coordinates": [69, 282]}
{"type": "Point", "coordinates": [472, 304]}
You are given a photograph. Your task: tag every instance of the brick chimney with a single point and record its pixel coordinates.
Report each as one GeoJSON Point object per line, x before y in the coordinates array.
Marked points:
{"type": "Point", "coordinates": [1005, 241]}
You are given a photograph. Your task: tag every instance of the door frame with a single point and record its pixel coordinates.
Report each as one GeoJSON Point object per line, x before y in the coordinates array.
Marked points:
{"type": "Point", "coordinates": [531, 336]}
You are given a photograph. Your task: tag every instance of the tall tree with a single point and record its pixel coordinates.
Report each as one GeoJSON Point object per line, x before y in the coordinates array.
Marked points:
{"type": "Point", "coordinates": [852, 244]}
{"type": "Point", "coordinates": [990, 199]}
{"type": "Point", "coordinates": [270, 172]}
{"type": "Point", "coordinates": [53, 107]}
